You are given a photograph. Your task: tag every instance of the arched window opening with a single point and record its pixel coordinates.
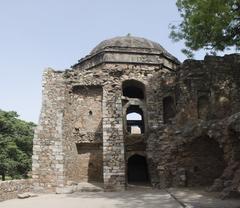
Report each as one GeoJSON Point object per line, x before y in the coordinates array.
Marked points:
{"type": "Point", "coordinates": [203, 107]}
{"type": "Point", "coordinates": [133, 89]}
{"type": "Point", "coordinates": [169, 110]}
{"type": "Point", "coordinates": [134, 116]}
{"type": "Point", "coordinates": [135, 121]}
{"type": "Point", "coordinates": [137, 169]}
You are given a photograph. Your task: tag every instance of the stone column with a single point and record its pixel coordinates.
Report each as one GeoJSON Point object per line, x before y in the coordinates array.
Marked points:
{"type": "Point", "coordinates": [113, 141]}
{"type": "Point", "coordinates": [47, 166]}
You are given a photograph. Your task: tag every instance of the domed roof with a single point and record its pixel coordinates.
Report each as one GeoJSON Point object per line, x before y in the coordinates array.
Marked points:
{"type": "Point", "coordinates": [127, 42]}
{"type": "Point", "coordinates": [127, 49]}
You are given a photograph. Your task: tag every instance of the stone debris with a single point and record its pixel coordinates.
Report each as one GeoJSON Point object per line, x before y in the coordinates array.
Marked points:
{"type": "Point", "coordinates": [26, 195]}
{"type": "Point", "coordinates": [23, 196]}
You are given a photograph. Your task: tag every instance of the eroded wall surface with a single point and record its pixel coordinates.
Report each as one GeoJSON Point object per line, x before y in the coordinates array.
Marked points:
{"type": "Point", "coordinates": [81, 134]}
{"type": "Point", "coordinates": [201, 143]}
{"type": "Point", "coordinates": [191, 124]}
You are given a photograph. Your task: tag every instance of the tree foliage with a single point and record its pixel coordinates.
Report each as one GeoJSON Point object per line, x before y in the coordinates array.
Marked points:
{"type": "Point", "coordinates": [15, 145]}
{"type": "Point", "coordinates": [213, 25]}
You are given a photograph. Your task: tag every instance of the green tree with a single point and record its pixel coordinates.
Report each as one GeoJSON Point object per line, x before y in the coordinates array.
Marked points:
{"type": "Point", "coordinates": [213, 25]}
{"type": "Point", "coordinates": [15, 145]}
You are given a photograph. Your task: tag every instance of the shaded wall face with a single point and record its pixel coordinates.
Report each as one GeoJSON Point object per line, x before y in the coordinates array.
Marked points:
{"type": "Point", "coordinates": [84, 120]}
{"type": "Point", "coordinates": [205, 92]}
{"type": "Point", "coordinates": [202, 161]}
{"type": "Point", "coordinates": [90, 158]}
{"type": "Point", "coordinates": [209, 88]}
{"type": "Point", "coordinates": [168, 109]}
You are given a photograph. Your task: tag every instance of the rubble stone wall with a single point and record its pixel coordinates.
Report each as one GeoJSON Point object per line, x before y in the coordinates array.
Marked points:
{"type": "Point", "coordinates": [190, 111]}
{"type": "Point", "coordinates": [181, 156]}
{"type": "Point", "coordinates": [110, 78]}
{"type": "Point", "coordinates": [82, 107]}
{"type": "Point", "coordinates": [48, 156]}
{"type": "Point", "coordinates": [215, 80]}
{"type": "Point", "coordinates": [83, 133]}
{"type": "Point", "coordinates": [10, 189]}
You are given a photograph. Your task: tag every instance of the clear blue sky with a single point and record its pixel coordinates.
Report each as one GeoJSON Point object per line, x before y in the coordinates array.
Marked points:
{"type": "Point", "coordinates": [36, 34]}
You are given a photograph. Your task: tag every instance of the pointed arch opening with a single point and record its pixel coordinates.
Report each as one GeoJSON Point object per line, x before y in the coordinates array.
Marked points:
{"type": "Point", "coordinates": [133, 89]}
{"type": "Point", "coordinates": [137, 169]}
{"type": "Point", "coordinates": [135, 120]}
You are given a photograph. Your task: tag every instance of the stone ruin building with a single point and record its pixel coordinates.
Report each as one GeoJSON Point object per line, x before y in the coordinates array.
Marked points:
{"type": "Point", "coordinates": [130, 112]}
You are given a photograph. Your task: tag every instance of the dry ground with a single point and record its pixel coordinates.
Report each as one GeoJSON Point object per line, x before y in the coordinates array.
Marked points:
{"type": "Point", "coordinates": [133, 198]}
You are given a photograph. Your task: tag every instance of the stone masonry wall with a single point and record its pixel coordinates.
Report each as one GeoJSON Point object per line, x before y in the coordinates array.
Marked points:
{"type": "Point", "coordinates": [83, 134]}
{"type": "Point", "coordinates": [191, 118]}
{"type": "Point", "coordinates": [47, 167]}
{"type": "Point", "coordinates": [162, 84]}
{"type": "Point", "coordinates": [10, 189]}
{"type": "Point", "coordinates": [206, 125]}
{"type": "Point", "coordinates": [110, 77]}
{"type": "Point", "coordinates": [216, 79]}
{"type": "Point", "coordinates": [82, 126]}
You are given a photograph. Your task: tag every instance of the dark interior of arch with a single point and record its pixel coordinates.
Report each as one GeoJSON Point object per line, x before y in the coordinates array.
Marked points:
{"type": "Point", "coordinates": [137, 169]}
{"type": "Point", "coordinates": [133, 89]}
{"type": "Point", "coordinates": [169, 110]}
{"type": "Point", "coordinates": [203, 105]}
{"type": "Point", "coordinates": [138, 123]}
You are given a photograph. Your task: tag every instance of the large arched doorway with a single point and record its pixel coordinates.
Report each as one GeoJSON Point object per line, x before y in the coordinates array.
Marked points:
{"type": "Point", "coordinates": [137, 169]}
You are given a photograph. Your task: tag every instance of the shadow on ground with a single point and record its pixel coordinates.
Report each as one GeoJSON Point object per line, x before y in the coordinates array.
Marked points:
{"type": "Point", "coordinates": [199, 198]}
{"type": "Point", "coordinates": [132, 199]}
{"type": "Point", "coordinates": [174, 197]}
